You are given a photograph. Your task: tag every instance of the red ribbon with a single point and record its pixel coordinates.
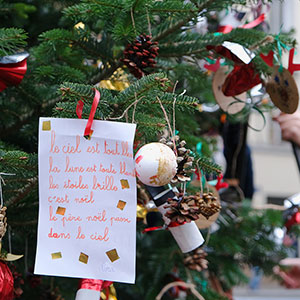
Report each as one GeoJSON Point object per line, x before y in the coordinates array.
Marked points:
{"type": "Point", "coordinates": [12, 74]}
{"type": "Point", "coordinates": [95, 284]}
{"type": "Point", "coordinates": [220, 184]}
{"type": "Point", "coordinates": [227, 28]}
{"type": "Point", "coordinates": [79, 109]}
{"type": "Point", "coordinates": [293, 67]}
{"type": "Point", "coordinates": [294, 219]}
{"type": "Point", "coordinates": [172, 224]}
{"type": "Point", "coordinates": [268, 59]}
{"type": "Point", "coordinates": [213, 67]}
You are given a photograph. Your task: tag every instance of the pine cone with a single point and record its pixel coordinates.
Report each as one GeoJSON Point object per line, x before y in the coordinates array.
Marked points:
{"type": "Point", "coordinates": [140, 55]}
{"type": "Point", "coordinates": [196, 260]}
{"type": "Point", "coordinates": [184, 159]}
{"type": "Point", "coordinates": [3, 223]}
{"type": "Point", "coordinates": [184, 210]}
{"type": "Point", "coordinates": [209, 205]}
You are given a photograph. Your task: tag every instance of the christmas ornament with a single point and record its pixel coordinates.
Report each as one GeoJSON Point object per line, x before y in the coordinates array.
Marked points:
{"type": "Point", "coordinates": [184, 159]}
{"type": "Point", "coordinates": [3, 222]}
{"type": "Point", "coordinates": [6, 282]}
{"type": "Point", "coordinates": [202, 222]}
{"type": "Point", "coordinates": [155, 164]}
{"type": "Point", "coordinates": [91, 289]}
{"type": "Point", "coordinates": [209, 205]}
{"type": "Point", "coordinates": [196, 260]}
{"type": "Point", "coordinates": [281, 86]}
{"type": "Point", "coordinates": [243, 77]}
{"type": "Point", "coordinates": [189, 207]}
{"type": "Point", "coordinates": [140, 54]}
{"type": "Point", "coordinates": [187, 236]}
{"type": "Point", "coordinates": [183, 210]}
{"type": "Point", "coordinates": [283, 90]}
{"type": "Point", "coordinates": [12, 69]}
{"type": "Point", "coordinates": [227, 104]}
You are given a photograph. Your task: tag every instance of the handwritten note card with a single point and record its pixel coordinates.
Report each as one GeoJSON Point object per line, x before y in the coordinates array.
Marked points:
{"type": "Point", "coordinates": [87, 195]}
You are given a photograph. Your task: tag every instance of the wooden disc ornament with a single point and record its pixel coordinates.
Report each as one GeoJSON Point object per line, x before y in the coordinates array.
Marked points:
{"type": "Point", "coordinates": [226, 102]}
{"type": "Point", "coordinates": [283, 90]}
{"type": "Point", "coordinates": [203, 222]}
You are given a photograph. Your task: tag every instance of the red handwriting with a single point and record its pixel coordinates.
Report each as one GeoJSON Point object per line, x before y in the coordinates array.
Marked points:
{"type": "Point", "coordinates": [86, 198]}
{"type": "Point", "coordinates": [68, 149]}
{"type": "Point", "coordinates": [125, 150]}
{"type": "Point", "coordinates": [51, 167]}
{"type": "Point", "coordinates": [71, 169]}
{"type": "Point", "coordinates": [76, 185]}
{"type": "Point", "coordinates": [107, 170]}
{"type": "Point", "coordinates": [98, 237]}
{"type": "Point", "coordinates": [53, 148]}
{"type": "Point", "coordinates": [119, 219]}
{"type": "Point", "coordinates": [58, 199]}
{"type": "Point", "coordinates": [114, 151]}
{"type": "Point", "coordinates": [98, 218]}
{"type": "Point", "coordinates": [51, 217]}
{"type": "Point", "coordinates": [123, 170]}
{"type": "Point", "coordinates": [80, 236]}
{"type": "Point", "coordinates": [52, 186]}
{"type": "Point", "coordinates": [58, 235]}
{"type": "Point", "coordinates": [93, 149]}
{"type": "Point", "coordinates": [70, 218]}
{"type": "Point", "coordinates": [107, 184]}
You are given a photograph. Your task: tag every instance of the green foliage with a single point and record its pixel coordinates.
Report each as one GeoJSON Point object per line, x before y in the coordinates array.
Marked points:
{"type": "Point", "coordinates": [11, 39]}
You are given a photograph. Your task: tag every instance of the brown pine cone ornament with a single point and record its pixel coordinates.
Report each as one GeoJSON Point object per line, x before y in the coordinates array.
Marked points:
{"type": "Point", "coordinates": [184, 159]}
{"type": "Point", "coordinates": [186, 209]}
{"type": "Point", "coordinates": [140, 54]}
{"type": "Point", "coordinates": [209, 205]}
{"type": "Point", "coordinates": [196, 260]}
{"type": "Point", "coordinates": [3, 223]}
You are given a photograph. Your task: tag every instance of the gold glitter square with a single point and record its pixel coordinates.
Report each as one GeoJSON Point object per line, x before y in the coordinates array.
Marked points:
{"type": "Point", "coordinates": [83, 258]}
{"type": "Point", "coordinates": [56, 255]}
{"type": "Point", "coordinates": [121, 204]}
{"type": "Point", "coordinates": [124, 183]}
{"type": "Point", "coordinates": [112, 255]}
{"type": "Point", "coordinates": [46, 125]}
{"type": "Point", "coordinates": [61, 211]}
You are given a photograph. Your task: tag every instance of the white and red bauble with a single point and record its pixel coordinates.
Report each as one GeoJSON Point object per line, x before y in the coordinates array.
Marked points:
{"type": "Point", "coordinates": [155, 164]}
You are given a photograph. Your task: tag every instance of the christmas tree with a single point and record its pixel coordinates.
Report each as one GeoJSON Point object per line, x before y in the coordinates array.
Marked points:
{"type": "Point", "coordinates": [147, 59]}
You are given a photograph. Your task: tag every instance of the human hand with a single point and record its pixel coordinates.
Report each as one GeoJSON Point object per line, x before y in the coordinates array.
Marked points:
{"type": "Point", "coordinates": [290, 126]}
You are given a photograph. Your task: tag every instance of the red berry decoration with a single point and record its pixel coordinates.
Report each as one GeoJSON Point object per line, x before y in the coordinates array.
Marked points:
{"type": "Point", "coordinates": [140, 55]}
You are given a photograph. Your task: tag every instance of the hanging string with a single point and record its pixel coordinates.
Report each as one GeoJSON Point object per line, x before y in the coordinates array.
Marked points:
{"type": "Point", "coordinates": [134, 108]}
{"type": "Point", "coordinates": [126, 110]}
{"type": "Point", "coordinates": [133, 22]}
{"type": "Point", "coordinates": [189, 286]}
{"type": "Point", "coordinates": [200, 176]}
{"type": "Point", "coordinates": [149, 23]}
{"type": "Point", "coordinates": [9, 240]}
{"type": "Point", "coordinates": [174, 103]}
{"type": "Point", "coordinates": [2, 181]}
{"type": "Point", "coordinates": [168, 123]}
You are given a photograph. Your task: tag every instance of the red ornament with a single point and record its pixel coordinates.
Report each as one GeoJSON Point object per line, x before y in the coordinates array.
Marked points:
{"type": "Point", "coordinates": [294, 219]}
{"type": "Point", "coordinates": [12, 69]}
{"type": "Point", "coordinates": [221, 184]}
{"type": "Point", "coordinates": [6, 282]}
{"type": "Point", "coordinates": [242, 78]}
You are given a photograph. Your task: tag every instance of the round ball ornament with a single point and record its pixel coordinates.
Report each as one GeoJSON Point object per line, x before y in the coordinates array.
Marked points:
{"type": "Point", "coordinates": [155, 164]}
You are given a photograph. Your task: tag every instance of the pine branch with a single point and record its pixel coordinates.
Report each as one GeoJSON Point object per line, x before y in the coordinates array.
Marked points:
{"type": "Point", "coordinates": [207, 165]}
{"type": "Point", "coordinates": [179, 24]}
{"type": "Point", "coordinates": [11, 39]}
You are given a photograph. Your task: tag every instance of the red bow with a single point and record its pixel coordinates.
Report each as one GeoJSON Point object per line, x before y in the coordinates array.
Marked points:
{"type": "Point", "coordinates": [12, 69]}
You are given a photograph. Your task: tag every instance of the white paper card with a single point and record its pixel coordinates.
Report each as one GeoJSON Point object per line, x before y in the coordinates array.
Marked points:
{"type": "Point", "coordinates": [87, 197]}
